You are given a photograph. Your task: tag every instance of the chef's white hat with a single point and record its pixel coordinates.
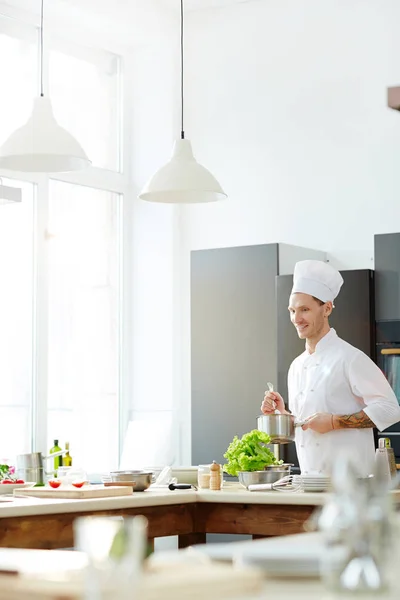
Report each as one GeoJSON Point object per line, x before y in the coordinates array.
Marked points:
{"type": "Point", "coordinates": [317, 279]}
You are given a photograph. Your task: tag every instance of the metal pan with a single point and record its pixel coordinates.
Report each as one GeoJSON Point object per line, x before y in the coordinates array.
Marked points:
{"type": "Point", "coordinates": [279, 427]}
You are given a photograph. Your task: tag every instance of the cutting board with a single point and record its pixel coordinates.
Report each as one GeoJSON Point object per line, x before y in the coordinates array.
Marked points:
{"type": "Point", "coordinates": [89, 491]}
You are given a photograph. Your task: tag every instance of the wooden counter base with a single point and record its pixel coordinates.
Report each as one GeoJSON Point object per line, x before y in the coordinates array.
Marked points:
{"type": "Point", "coordinates": [190, 522]}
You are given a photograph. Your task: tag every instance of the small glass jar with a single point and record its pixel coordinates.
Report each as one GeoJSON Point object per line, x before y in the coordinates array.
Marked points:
{"type": "Point", "coordinates": [71, 475]}
{"type": "Point", "coordinates": [203, 477]}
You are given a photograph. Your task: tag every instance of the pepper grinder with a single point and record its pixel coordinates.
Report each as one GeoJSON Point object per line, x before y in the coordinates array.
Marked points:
{"type": "Point", "coordinates": [215, 476]}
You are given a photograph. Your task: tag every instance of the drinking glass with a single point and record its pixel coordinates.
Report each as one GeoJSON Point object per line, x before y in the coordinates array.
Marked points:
{"type": "Point", "coordinates": [115, 548]}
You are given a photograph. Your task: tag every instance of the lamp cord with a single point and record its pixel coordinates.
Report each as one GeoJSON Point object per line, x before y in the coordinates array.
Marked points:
{"type": "Point", "coordinates": [41, 49]}
{"type": "Point", "coordinates": [182, 80]}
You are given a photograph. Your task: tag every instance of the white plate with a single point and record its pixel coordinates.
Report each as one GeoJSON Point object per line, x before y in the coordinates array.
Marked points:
{"type": "Point", "coordinates": [318, 485]}
{"type": "Point", "coordinates": [321, 484]}
{"type": "Point", "coordinates": [309, 481]}
{"type": "Point", "coordinates": [314, 477]}
{"type": "Point", "coordinates": [8, 488]}
{"type": "Point", "coordinates": [311, 478]}
{"type": "Point", "coordinates": [306, 482]}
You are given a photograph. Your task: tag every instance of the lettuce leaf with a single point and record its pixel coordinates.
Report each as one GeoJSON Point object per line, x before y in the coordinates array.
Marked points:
{"type": "Point", "coordinates": [249, 453]}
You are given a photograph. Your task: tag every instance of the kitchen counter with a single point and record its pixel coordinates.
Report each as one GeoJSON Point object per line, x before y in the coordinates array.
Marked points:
{"type": "Point", "coordinates": [231, 493]}
{"type": "Point", "coordinates": [189, 514]}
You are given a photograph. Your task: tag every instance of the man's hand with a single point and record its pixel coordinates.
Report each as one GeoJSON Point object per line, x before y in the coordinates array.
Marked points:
{"type": "Point", "coordinates": [272, 401]}
{"type": "Point", "coordinates": [319, 422]}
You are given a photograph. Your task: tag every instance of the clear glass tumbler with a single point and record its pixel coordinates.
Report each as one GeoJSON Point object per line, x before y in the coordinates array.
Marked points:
{"type": "Point", "coordinates": [115, 548]}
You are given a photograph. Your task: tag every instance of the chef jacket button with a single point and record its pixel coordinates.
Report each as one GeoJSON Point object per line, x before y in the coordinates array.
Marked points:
{"type": "Point", "coordinates": [312, 390]}
{"type": "Point", "coordinates": [301, 445]}
{"type": "Point", "coordinates": [317, 444]}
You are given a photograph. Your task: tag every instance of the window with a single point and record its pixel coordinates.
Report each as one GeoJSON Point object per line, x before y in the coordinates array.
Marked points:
{"type": "Point", "coordinates": [83, 312]}
{"type": "Point", "coordinates": [16, 322]}
{"type": "Point", "coordinates": [18, 75]}
{"type": "Point", "coordinates": [61, 261]}
{"type": "Point", "coordinates": [84, 87]}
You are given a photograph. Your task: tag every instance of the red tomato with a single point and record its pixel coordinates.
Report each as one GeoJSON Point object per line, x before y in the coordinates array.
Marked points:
{"type": "Point", "coordinates": [54, 484]}
{"type": "Point", "coordinates": [20, 481]}
{"type": "Point", "coordinates": [7, 481]}
{"type": "Point", "coordinates": [78, 484]}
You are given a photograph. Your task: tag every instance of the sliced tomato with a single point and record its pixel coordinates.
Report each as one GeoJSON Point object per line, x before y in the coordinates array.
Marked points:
{"type": "Point", "coordinates": [20, 481]}
{"type": "Point", "coordinates": [54, 483]}
{"type": "Point", "coordinates": [7, 481]}
{"type": "Point", "coordinates": [78, 484]}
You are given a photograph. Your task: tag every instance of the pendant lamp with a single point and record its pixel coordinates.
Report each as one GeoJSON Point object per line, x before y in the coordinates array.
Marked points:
{"type": "Point", "coordinates": [182, 180]}
{"type": "Point", "coordinates": [42, 145]}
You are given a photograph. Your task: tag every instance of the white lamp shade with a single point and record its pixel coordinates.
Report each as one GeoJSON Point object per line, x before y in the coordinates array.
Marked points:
{"type": "Point", "coordinates": [182, 180]}
{"type": "Point", "coordinates": [41, 145]}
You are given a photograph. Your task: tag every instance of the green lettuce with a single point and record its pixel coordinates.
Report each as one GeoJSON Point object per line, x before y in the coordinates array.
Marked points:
{"type": "Point", "coordinates": [249, 453]}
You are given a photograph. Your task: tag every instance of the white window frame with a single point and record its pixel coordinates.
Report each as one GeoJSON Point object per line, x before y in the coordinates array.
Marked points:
{"type": "Point", "coordinates": [102, 179]}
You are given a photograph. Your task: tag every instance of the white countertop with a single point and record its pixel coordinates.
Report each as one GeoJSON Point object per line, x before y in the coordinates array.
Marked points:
{"type": "Point", "coordinates": [231, 493]}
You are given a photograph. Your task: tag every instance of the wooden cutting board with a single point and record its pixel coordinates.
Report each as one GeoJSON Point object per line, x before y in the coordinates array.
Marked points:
{"type": "Point", "coordinates": [88, 491]}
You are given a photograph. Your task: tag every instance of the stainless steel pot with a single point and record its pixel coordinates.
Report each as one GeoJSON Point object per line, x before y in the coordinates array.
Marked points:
{"type": "Point", "coordinates": [279, 427]}
{"type": "Point", "coordinates": [29, 467]}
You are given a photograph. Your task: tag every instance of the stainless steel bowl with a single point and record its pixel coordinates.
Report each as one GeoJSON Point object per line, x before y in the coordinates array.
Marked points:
{"type": "Point", "coordinates": [269, 475]}
{"type": "Point", "coordinates": [279, 427]}
{"type": "Point", "coordinates": [140, 479]}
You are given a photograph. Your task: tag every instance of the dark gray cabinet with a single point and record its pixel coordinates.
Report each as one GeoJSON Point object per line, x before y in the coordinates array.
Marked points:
{"type": "Point", "coordinates": [387, 276]}
{"type": "Point", "coordinates": [233, 339]}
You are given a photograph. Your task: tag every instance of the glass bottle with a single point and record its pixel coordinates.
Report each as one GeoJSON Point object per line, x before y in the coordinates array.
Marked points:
{"type": "Point", "coordinates": [67, 458]}
{"type": "Point", "coordinates": [57, 459]}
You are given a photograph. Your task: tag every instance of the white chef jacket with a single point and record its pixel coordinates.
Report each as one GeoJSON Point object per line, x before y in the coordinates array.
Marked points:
{"type": "Point", "coordinates": [339, 379]}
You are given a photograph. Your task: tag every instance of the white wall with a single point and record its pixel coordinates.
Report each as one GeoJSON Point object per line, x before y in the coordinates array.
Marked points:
{"type": "Point", "coordinates": [152, 76]}
{"type": "Point", "coordinates": [286, 105]}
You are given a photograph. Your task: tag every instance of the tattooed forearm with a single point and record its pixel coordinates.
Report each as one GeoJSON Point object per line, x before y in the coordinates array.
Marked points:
{"type": "Point", "coordinates": [358, 420]}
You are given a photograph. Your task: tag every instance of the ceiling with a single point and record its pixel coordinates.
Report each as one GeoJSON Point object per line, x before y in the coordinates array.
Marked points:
{"type": "Point", "coordinates": [200, 4]}
{"type": "Point", "coordinates": [125, 7]}
{"type": "Point", "coordinates": [137, 20]}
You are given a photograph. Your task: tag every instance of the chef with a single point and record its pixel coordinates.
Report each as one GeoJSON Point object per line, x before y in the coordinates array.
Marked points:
{"type": "Point", "coordinates": [339, 392]}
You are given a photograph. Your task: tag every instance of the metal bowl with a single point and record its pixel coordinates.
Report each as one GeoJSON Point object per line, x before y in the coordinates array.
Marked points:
{"type": "Point", "coordinates": [140, 479]}
{"type": "Point", "coordinates": [269, 475]}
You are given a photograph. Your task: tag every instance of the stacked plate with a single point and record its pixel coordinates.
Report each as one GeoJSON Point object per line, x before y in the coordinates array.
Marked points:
{"type": "Point", "coordinates": [313, 483]}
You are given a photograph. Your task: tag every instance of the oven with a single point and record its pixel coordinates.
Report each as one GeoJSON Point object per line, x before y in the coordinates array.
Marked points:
{"type": "Point", "coordinates": [388, 360]}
